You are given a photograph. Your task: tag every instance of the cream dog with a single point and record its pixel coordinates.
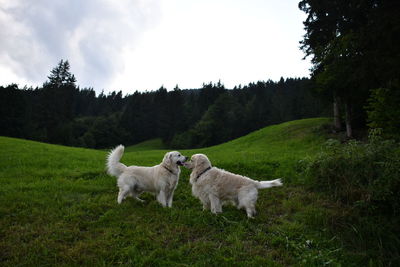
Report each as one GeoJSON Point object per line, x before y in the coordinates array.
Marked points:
{"type": "Point", "coordinates": [160, 180]}
{"type": "Point", "coordinates": [215, 187]}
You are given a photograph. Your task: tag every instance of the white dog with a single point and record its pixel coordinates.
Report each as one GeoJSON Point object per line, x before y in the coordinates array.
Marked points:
{"type": "Point", "coordinates": [160, 180]}
{"type": "Point", "coordinates": [215, 187]}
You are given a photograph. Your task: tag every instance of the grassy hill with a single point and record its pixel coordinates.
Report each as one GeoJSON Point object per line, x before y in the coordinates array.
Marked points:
{"type": "Point", "coordinates": [58, 207]}
{"type": "Point", "coordinates": [153, 144]}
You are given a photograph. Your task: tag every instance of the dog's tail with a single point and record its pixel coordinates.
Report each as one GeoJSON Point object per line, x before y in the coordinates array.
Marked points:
{"type": "Point", "coordinates": [114, 167]}
{"type": "Point", "coordinates": [268, 184]}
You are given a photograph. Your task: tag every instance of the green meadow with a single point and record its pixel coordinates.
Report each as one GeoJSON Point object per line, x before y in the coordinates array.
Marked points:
{"type": "Point", "coordinates": [58, 208]}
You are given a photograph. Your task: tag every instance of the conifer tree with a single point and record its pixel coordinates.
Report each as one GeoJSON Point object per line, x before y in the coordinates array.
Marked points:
{"type": "Point", "coordinates": [61, 75]}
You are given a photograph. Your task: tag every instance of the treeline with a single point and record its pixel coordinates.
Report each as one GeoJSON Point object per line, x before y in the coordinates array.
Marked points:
{"type": "Point", "coordinates": [62, 113]}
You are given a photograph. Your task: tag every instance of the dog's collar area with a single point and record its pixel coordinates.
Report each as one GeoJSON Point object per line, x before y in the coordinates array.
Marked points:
{"type": "Point", "coordinates": [168, 169]}
{"type": "Point", "coordinates": [203, 172]}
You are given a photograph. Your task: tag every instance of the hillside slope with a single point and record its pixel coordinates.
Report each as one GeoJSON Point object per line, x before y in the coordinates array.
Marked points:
{"type": "Point", "coordinates": [153, 144]}
{"type": "Point", "coordinates": [271, 151]}
{"type": "Point", "coordinates": [58, 207]}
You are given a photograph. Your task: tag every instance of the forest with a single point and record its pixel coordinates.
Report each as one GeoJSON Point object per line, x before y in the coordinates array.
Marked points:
{"type": "Point", "coordinates": [60, 112]}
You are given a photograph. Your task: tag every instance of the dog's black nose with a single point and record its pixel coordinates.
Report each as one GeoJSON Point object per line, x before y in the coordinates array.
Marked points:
{"type": "Point", "coordinates": [186, 158]}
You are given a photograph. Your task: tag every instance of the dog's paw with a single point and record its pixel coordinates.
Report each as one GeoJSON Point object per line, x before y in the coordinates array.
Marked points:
{"type": "Point", "coordinates": [216, 212]}
{"type": "Point", "coordinates": [141, 200]}
{"type": "Point", "coordinates": [251, 213]}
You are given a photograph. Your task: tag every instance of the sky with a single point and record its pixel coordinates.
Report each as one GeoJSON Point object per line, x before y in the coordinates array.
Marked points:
{"type": "Point", "coordinates": [142, 45]}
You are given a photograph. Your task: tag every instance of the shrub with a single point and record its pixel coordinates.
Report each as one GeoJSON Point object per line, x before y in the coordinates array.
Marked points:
{"type": "Point", "coordinates": [365, 178]}
{"type": "Point", "coordinates": [363, 174]}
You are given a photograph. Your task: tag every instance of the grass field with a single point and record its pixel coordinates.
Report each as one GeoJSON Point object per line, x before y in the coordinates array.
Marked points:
{"type": "Point", "coordinates": [58, 208]}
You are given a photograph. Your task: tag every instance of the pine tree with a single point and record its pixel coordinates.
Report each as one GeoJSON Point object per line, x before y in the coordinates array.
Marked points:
{"type": "Point", "coordinates": [57, 103]}
{"type": "Point", "coordinates": [61, 75]}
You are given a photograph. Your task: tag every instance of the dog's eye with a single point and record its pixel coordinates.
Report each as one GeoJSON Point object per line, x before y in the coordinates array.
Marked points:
{"type": "Point", "coordinates": [179, 155]}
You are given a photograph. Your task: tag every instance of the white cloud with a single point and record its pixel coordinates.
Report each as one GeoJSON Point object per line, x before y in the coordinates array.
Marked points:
{"type": "Point", "coordinates": [143, 44]}
{"type": "Point", "coordinates": [90, 34]}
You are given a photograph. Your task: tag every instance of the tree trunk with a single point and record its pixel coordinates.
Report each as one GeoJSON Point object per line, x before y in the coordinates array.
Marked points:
{"type": "Point", "coordinates": [349, 130]}
{"type": "Point", "coordinates": [336, 115]}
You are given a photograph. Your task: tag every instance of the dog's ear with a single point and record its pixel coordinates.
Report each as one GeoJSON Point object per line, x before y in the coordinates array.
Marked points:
{"type": "Point", "coordinates": [167, 159]}
{"type": "Point", "coordinates": [201, 162]}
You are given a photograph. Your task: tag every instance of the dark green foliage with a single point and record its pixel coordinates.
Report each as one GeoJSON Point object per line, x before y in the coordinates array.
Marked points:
{"type": "Point", "coordinates": [354, 50]}
{"type": "Point", "coordinates": [242, 110]}
{"type": "Point", "coordinates": [364, 173]}
{"type": "Point", "coordinates": [364, 178]}
{"type": "Point", "coordinates": [61, 113]}
{"type": "Point", "coordinates": [224, 120]}
{"type": "Point", "coordinates": [354, 47]}
{"type": "Point", "coordinates": [384, 112]}
{"type": "Point", "coordinates": [13, 111]}
{"type": "Point", "coordinates": [97, 132]}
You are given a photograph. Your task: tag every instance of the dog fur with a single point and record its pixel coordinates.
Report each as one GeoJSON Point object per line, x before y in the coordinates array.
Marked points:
{"type": "Point", "coordinates": [160, 180]}
{"type": "Point", "coordinates": [215, 187]}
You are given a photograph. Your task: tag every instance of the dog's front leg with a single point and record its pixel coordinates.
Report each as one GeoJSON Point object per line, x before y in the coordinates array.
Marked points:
{"type": "Point", "coordinates": [162, 198]}
{"type": "Point", "coordinates": [169, 199]}
{"type": "Point", "coordinates": [206, 203]}
{"type": "Point", "coordinates": [215, 204]}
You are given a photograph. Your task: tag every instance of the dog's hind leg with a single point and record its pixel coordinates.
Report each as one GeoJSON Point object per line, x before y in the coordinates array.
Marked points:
{"type": "Point", "coordinates": [251, 210]}
{"type": "Point", "coordinates": [216, 206]}
{"type": "Point", "coordinates": [135, 194]}
{"type": "Point", "coordinates": [123, 192]}
{"type": "Point", "coordinates": [247, 199]}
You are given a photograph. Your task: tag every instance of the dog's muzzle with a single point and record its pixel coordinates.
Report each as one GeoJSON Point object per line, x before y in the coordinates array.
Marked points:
{"type": "Point", "coordinates": [180, 163]}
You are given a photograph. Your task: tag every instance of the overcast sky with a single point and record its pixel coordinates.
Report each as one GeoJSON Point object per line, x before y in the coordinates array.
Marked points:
{"type": "Point", "coordinates": [141, 45]}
